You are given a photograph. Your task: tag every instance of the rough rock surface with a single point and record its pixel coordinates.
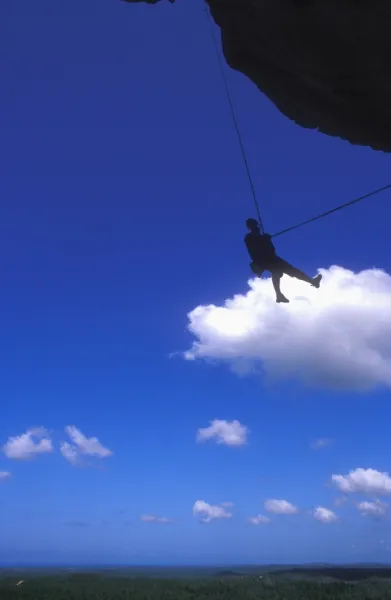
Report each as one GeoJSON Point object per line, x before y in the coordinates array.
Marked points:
{"type": "Point", "coordinates": [326, 64]}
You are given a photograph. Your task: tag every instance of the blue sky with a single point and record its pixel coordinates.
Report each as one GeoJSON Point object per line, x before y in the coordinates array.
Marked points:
{"type": "Point", "coordinates": [124, 201]}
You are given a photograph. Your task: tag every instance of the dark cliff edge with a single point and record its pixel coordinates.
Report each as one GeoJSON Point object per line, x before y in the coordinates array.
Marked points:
{"type": "Point", "coordinates": [325, 64]}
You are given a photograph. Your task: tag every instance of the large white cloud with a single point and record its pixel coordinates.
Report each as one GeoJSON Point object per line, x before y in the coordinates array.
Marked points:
{"type": "Point", "coordinates": [364, 481]}
{"type": "Point", "coordinates": [209, 512]}
{"type": "Point", "coordinates": [224, 432]}
{"type": "Point", "coordinates": [280, 507]}
{"type": "Point", "coordinates": [82, 446]}
{"type": "Point", "coordinates": [28, 445]}
{"type": "Point", "coordinates": [324, 515]}
{"type": "Point", "coordinates": [338, 336]}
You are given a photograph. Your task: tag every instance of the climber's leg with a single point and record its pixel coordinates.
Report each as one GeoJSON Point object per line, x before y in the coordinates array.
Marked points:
{"type": "Point", "coordinates": [276, 280]}
{"type": "Point", "coordinates": [297, 274]}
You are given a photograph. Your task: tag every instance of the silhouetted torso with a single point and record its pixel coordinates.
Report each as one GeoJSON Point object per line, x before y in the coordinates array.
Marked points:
{"type": "Point", "coordinates": [260, 248]}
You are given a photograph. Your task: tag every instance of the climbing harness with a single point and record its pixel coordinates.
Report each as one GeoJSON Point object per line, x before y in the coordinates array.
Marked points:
{"type": "Point", "coordinates": [246, 164]}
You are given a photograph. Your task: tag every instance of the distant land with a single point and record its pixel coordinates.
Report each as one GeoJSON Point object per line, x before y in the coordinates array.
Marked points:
{"type": "Point", "coordinates": [322, 572]}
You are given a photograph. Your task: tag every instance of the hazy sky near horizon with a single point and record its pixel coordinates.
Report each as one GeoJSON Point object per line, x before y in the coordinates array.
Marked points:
{"type": "Point", "coordinates": [158, 406]}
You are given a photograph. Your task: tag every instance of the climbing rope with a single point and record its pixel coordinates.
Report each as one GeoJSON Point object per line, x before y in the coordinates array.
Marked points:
{"type": "Point", "coordinates": [236, 124]}
{"type": "Point", "coordinates": [329, 212]}
{"type": "Point", "coordinates": [256, 203]}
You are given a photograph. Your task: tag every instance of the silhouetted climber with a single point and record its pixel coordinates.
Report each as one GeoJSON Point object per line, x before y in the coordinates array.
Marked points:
{"type": "Point", "coordinates": [263, 254]}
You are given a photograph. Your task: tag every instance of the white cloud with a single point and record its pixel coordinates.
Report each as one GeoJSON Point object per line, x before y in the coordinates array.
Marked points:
{"type": "Point", "coordinates": [28, 445]}
{"type": "Point", "coordinates": [338, 336]}
{"type": "Point", "coordinates": [155, 519]}
{"type": "Point", "coordinates": [259, 520]}
{"type": "Point", "coordinates": [224, 432]}
{"type": "Point", "coordinates": [207, 512]}
{"type": "Point", "coordinates": [321, 443]}
{"type": "Point", "coordinates": [70, 452]}
{"type": "Point", "coordinates": [364, 481]}
{"type": "Point", "coordinates": [373, 509]}
{"type": "Point", "coordinates": [4, 475]}
{"type": "Point", "coordinates": [82, 446]}
{"type": "Point", "coordinates": [324, 515]}
{"type": "Point", "coordinates": [280, 507]}
{"type": "Point", "coordinates": [89, 446]}
{"type": "Point", "coordinates": [340, 501]}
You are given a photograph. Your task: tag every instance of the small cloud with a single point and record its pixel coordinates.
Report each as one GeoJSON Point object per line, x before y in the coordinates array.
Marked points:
{"type": "Point", "coordinates": [364, 481]}
{"type": "Point", "coordinates": [88, 446]}
{"type": "Point", "coordinates": [340, 501]}
{"type": "Point", "coordinates": [373, 509]}
{"type": "Point", "coordinates": [324, 515]}
{"type": "Point", "coordinates": [28, 445]}
{"type": "Point", "coordinates": [77, 524]}
{"type": "Point", "coordinates": [224, 432]}
{"type": "Point", "coordinates": [227, 504]}
{"type": "Point", "coordinates": [155, 519]}
{"type": "Point", "coordinates": [70, 453]}
{"type": "Point", "coordinates": [321, 443]}
{"type": "Point", "coordinates": [82, 446]}
{"type": "Point", "coordinates": [208, 512]}
{"type": "Point", "coordinates": [4, 475]}
{"type": "Point", "coordinates": [259, 520]}
{"type": "Point", "coordinates": [280, 507]}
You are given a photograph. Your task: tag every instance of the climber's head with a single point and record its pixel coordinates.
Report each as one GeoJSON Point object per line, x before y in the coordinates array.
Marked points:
{"type": "Point", "coordinates": [252, 225]}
